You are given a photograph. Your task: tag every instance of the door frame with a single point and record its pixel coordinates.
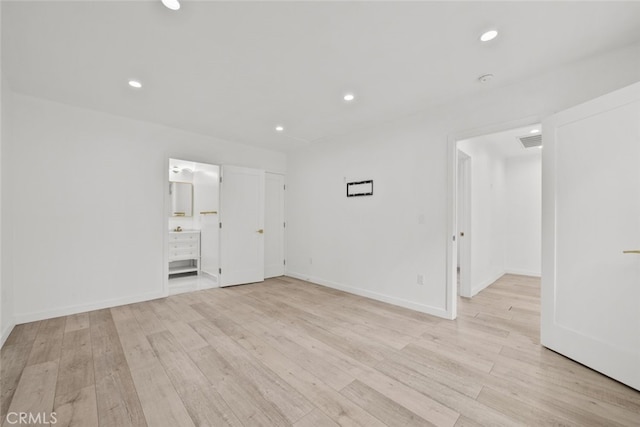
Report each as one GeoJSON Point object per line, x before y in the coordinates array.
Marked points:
{"type": "Point", "coordinates": [166, 206]}
{"type": "Point", "coordinates": [451, 308]}
{"type": "Point", "coordinates": [464, 199]}
{"type": "Point", "coordinates": [284, 219]}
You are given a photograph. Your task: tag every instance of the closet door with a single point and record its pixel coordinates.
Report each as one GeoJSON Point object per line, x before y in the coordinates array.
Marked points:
{"type": "Point", "coordinates": [274, 226]}
{"type": "Point", "coordinates": [241, 225]}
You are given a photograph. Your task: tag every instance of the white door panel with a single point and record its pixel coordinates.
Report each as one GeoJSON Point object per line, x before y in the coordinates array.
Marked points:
{"type": "Point", "coordinates": [274, 225]}
{"type": "Point", "coordinates": [591, 213]}
{"type": "Point", "coordinates": [242, 231]}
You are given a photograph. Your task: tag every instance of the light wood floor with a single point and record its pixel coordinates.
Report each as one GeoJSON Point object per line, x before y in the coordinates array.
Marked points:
{"type": "Point", "coordinates": [286, 352]}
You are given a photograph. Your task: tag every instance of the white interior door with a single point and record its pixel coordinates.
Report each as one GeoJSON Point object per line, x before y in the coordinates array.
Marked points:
{"type": "Point", "coordinates": [274, 225]}
{"type": "Point", "coordinates": [591, 214]}
{"type": "Point", "coordinates": [241, 226]}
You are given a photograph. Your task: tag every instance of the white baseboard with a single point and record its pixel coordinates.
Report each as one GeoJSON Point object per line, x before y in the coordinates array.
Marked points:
{"type": "Point", "coordinates": [423, 308]}
{"type": "Point", "coordinates": [6, 332]}
{"type": "Point", "coordinates": [66, 311]}
{"type": "Point", "coordinates": [523, 272]}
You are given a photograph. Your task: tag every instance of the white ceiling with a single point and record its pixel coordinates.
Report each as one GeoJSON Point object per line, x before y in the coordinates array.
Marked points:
{"type": "Point", "coordinates": [236, 69]}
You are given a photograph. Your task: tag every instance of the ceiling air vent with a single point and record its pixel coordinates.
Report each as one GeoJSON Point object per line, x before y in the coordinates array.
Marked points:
{"type": "Point", "coordinates": [531, 141]}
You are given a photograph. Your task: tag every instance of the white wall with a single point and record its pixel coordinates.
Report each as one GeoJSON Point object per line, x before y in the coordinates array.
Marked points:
{"type": "Point", "coordinates": [376, 246]}
{"type": "Point", "coordinates": [7, 320]}
{"type": "Point", "coordinates": [89, 211]}
{"type": "Point", "coordinates": [523, 223]}
{"type": "Point", "coordinates": [488, 214]}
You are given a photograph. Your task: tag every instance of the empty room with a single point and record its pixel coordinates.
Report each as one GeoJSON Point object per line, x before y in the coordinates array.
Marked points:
{"type": "Point", "coordinates": [319, 213]}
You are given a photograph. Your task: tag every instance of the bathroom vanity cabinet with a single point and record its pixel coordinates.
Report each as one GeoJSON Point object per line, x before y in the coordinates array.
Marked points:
{"type": "Point", "coordinates": [184, 252]}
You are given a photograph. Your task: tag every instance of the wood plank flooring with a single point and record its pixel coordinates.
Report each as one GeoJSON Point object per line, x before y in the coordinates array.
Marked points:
{"type": "Point", "coordinates": [287, 352]}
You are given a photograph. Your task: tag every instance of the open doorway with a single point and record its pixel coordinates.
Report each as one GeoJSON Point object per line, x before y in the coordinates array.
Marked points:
{"type": "Point", "coordinates": [193, 239]}
{"type": "Point", "coordinates": [225, 226]}
{"type": "Point", "coordinates": [498, 207]}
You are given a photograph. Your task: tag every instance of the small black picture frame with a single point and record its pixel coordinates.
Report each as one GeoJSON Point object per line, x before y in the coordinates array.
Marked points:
{"type": "Point", "coordinates": [360, 188]}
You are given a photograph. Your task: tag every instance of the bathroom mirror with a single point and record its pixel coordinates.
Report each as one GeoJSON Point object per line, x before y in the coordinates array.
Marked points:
{"type": "Point", "coordinates": [181, 199]}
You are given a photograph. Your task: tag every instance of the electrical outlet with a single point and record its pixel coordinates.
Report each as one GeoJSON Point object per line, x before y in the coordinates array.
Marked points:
{"type": "Point", "coordinates": [420, 280]}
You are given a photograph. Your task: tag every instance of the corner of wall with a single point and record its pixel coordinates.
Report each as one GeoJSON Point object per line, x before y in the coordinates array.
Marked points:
{"type": "Point", "coordinates": [485, 283]}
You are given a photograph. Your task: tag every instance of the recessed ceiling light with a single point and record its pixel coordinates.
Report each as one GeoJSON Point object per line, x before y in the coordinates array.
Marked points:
{"type": "Point", "coordinates": [489, 35]}
{"type": "Point", "coordinates": [534, 131]}
{"type": "Point", "coordinates": [171, 4]}
{"type": "Point", "coordinates": [349, 97]}
{"type": "Point", "coordinates": [279, 128]}
{"type": "Point", "coordinates": [135, 84]}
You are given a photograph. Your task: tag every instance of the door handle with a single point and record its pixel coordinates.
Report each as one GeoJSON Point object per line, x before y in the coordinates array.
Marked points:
{"type": "Point", "coordinates": [261, 231]}
{"type": "Point", "coordinates": [632, 252]}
